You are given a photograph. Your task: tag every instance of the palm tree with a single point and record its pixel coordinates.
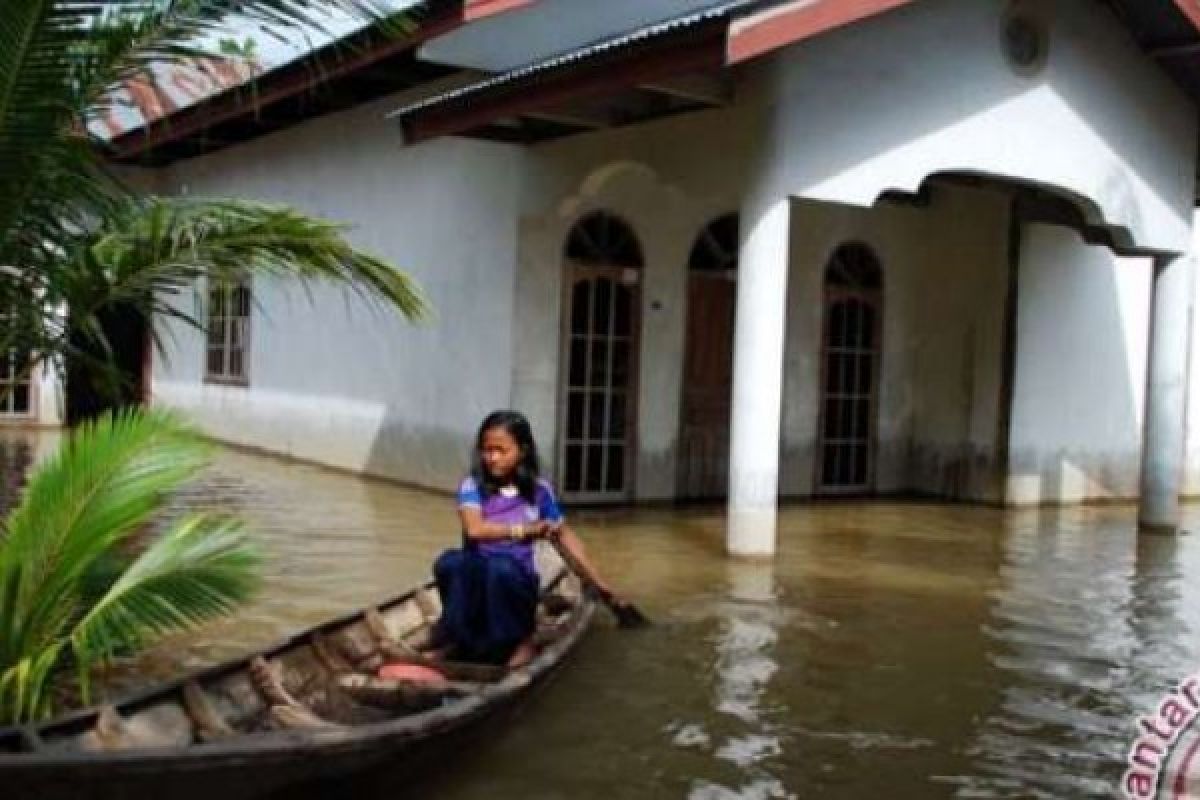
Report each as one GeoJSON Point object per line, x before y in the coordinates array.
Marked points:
{"type": "Point", "coordinates": [71, 592]}
{"type": "Point", "coordinates": [73, 238]}
{"type": "Point", "coordinates": [79, 249]}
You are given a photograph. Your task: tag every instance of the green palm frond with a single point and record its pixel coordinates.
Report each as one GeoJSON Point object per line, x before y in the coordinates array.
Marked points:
{"type": "Point", "coordinates": [165, 244]}
{"type": "Point", "coordinates": [64, 578]}
{"type": "Point", "coordinates": [64, 61]}
{"type": "Point", "coordinates": [25, 685]}
{"type": "Point", "coordinates": [73, 236]}
{"type": "Point", "coordinates": [77, 246]}
{"type": "Point", "coordinates": [202, 568]}
{"type": "Point", "coordinates": [157, 249]}
{"type": "Point", "coordinates": [104, 483]}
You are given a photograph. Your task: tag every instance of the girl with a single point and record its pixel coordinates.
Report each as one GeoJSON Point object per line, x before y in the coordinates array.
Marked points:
{"type": "Point", "coordinates": [489, 587]}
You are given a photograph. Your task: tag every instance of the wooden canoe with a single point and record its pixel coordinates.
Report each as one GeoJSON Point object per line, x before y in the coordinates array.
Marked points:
{"type": "Point", "coordinates": [293, 714]}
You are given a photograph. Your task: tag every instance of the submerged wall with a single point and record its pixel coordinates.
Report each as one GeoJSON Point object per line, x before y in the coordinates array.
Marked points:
{"type": "Point", "coordinates": [944, 281]}
{"type": "Point", "coordinates": [1079, 386]}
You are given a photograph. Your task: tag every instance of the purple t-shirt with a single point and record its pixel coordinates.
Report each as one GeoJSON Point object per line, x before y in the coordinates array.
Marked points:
{"type": "Point", "coordinates": [511, 509]}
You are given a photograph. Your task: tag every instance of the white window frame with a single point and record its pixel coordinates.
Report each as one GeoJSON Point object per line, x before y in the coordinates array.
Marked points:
{"type": "Point", "coordinates": [9, 383]}
{"type": "Point", "coordinates": [232, 325]}
{"type": "Point", "coordinates": [9, 367]}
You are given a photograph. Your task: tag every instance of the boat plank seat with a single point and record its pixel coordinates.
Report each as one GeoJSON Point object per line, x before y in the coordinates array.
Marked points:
{"type": "Point", "coordinates": [284, 710]}
{"type": "Point", "coordinates": [210, 726]}
{"type": "Point", "coordinates": [391, 646]}
{"type": "Point", "coordinates": [329, 654]}
{"type": "Point", "coordinates": [404, 695]}
{"type": "Point", "coordinates": [429, 605]}
{"type": "Point", "coordinates": [397, 650]}
{"type": "Point", "coordinates": [357, 646]}
{"type": "Point", "coordinates": [236, 700]}
{"type": "Point", "coordinates": [382, 633]}
{"type": "Point", "coordinates": [406, 620]}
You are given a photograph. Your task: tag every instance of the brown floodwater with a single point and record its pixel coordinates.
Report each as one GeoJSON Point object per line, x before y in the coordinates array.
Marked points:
{"type": "Point", "coordinates": [892, 649]}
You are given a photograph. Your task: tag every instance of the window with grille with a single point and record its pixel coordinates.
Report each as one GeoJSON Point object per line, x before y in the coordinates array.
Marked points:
{"type": "Point", "coordinates": [228, 326]}
{"type": "Point", "coordinates": [849, 370]}
{"type": "Point", "coordinates": [16, 381]}
{"type": "Point", "coordinates": [15, 384]}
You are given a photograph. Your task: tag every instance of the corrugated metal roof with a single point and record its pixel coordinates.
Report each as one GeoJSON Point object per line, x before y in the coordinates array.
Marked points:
{"type": "Point", "coordinates": [166, 89]}
{"type": "Point", "coordinates": [584, 53]}
{"type": "Point", "coordinates": [172, 87]}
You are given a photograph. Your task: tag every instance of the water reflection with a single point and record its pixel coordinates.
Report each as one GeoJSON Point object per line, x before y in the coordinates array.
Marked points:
{"type": "Point", "coordinates": [748, 624]}
{"type": "Point", "coordinates": [17, 455]}
{"type": "Point", "coordinates": [331, 543]}
{"type": "Point", "coordinates": [1087, 629]}
{"type": "Point", "coordinates": [900, 650]}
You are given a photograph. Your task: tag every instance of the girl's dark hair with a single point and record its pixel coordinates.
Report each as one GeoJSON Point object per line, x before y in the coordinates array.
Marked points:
{"type": "Point", "coordinates": [528, 468]}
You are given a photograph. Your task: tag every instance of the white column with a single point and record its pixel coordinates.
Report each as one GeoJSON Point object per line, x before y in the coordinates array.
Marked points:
{"type": "Point", "coordinates": [758, 378]}
{"type": "Point", "coordinates": [1166, 395]}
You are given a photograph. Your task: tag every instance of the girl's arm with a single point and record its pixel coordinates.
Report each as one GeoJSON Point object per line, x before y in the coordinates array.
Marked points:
{"type": "Point", "coordinates": [574, 545]}
{"type": "Point", "coordinates": [480, 530]}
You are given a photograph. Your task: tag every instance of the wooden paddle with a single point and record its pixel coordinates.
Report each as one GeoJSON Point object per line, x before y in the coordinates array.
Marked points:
{"type": "Point", "coordinates": [627, 614]}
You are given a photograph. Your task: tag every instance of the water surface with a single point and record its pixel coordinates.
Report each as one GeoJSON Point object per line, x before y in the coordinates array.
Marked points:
{"type": "Point", "coordinates": [900, 650]}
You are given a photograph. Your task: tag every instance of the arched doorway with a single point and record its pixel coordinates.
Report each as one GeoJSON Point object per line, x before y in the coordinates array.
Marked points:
{"type": "Point", "coordinates": [600, 347]}
{"type": "Point", "coordinates": [850, 355]}
{"type": "Point", "coordinates": [703, 462]}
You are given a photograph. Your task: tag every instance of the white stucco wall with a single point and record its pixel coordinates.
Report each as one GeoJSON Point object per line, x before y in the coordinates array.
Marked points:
{"type": "Point", "coordinates": [945, 276]}
{"type": "Point", "coordinates": [933, 92]}
{"type": "Point", "coordinates": [50, 410]}
{"type": "Point", "coordinates": [337, 380]}
{"type": "Point", "coordinates": [1191, 473]}
{"type": "Point", "coordinates": [482, 226]}
{"type": "Point", "coordinates": [944, 287]}
{"type": "Point", "coordinates": [667, 180]}
{"type": "Point", "coordinates": [1079, 385]}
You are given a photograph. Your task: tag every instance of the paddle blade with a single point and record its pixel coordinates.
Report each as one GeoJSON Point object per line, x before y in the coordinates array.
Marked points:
{"type": "Point", "coordinates": [628, 615]}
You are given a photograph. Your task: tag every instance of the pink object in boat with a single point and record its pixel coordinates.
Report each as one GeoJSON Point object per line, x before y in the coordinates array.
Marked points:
{"type": "Point", "coordinates": [411, 672]}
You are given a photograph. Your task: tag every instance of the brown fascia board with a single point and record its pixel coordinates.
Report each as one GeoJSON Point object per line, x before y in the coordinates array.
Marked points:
{"type": "Point", "coordinates": [481, 9]}
{"type": "Point", "coordinates": [695, 49]}
{"type": "Point", "coordinates": [332, 61]}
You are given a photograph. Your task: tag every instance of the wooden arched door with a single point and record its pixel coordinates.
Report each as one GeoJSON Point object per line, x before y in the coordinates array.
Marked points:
{"type": "Point", "coordinates": [702, 470]}
{"type": "Point", "coordinates": [600, 349]}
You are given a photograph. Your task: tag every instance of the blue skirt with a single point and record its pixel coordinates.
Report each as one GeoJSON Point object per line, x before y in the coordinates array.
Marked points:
{"type": "Point", "coordinates": [489, 604]}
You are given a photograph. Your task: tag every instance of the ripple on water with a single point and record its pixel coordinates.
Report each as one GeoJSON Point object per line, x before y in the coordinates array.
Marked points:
{"type": "Point", "coordinates": [899, 650]}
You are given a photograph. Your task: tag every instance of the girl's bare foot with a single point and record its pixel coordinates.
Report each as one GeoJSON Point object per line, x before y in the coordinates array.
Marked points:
{"type": "Point", "coordinates": [524, 653]}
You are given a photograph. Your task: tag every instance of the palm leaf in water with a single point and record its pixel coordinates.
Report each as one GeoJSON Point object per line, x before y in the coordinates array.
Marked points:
{"type": "Point", "coordinates": [71, 591]}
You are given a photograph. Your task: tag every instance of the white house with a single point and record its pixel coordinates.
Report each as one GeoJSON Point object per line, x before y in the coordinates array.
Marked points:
{"type": "Point", "coordinates": [751, 249]}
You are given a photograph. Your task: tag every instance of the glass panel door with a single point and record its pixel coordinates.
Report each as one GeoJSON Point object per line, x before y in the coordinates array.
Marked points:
{"type": "Point", "coordinates": [598, 390]}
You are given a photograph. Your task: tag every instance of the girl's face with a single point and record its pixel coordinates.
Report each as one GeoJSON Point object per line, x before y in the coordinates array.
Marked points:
{"type": "Point", "coordinates": [500, 452]}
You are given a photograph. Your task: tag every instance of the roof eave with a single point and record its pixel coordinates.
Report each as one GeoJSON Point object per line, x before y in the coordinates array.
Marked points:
{"type": "Point", "coordinates": [331, 62]}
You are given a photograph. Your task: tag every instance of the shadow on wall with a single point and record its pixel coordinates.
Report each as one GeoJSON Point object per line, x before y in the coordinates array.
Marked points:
{"type": "Point", "coordinates": [1079, 387]}
{"type": "Point", "coordinates": [429, 456]}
